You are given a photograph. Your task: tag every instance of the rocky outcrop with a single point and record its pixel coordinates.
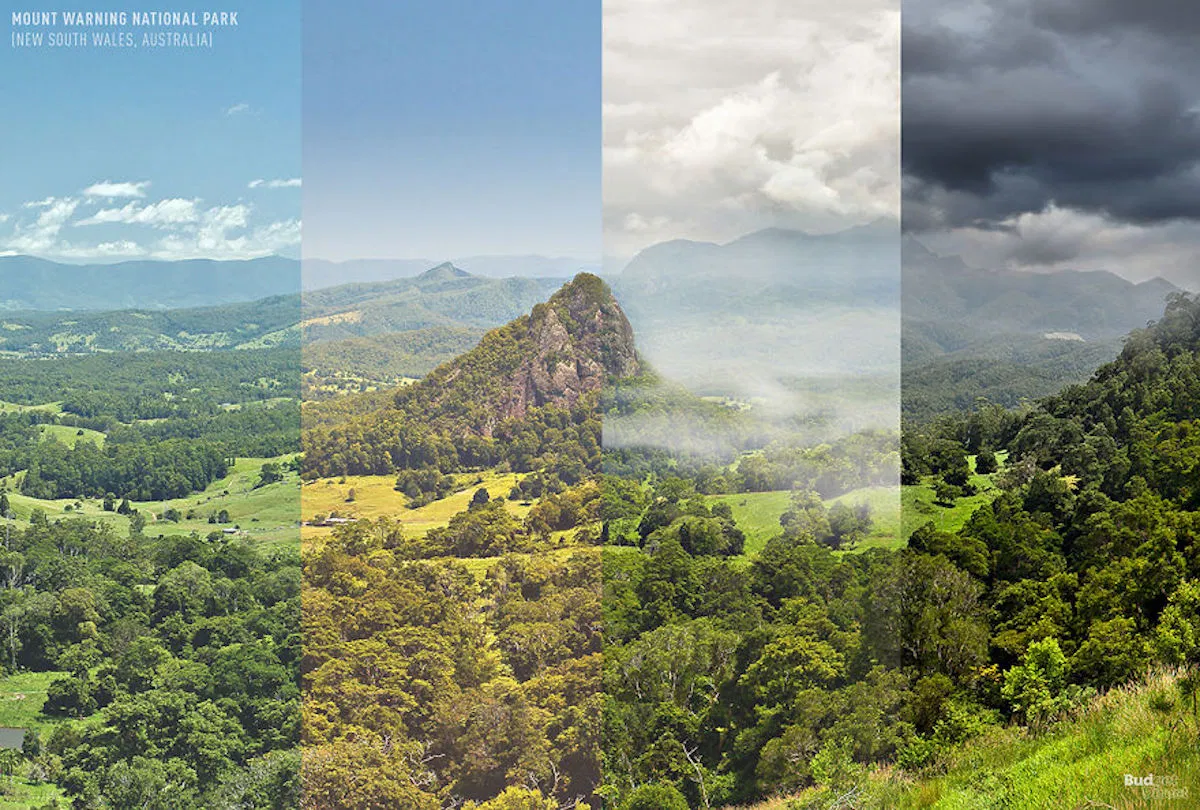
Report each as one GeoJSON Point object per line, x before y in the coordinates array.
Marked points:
{"type": "Point", "coordinates": [578, 340]}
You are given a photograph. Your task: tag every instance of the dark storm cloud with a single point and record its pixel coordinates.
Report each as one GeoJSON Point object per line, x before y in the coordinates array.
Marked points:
{"type": "Point", "coordinates": [1013, 106]}
{"type": "Point", "coordinates": [1169, 18]}
{"type": "Point", "coordinates": [934, 48]}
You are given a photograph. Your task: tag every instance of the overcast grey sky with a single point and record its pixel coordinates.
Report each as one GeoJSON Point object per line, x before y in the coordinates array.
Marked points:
{"type": "Point", "coordinates": [1050, 134]}
{"type": "Point", "coordinates": [720, 120]}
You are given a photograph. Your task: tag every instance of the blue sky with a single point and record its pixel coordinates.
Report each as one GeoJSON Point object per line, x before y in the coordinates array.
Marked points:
{"type": "Point", "coordinates": [438, 128]}
{"type": "Point", "coordinates": [168, 142]}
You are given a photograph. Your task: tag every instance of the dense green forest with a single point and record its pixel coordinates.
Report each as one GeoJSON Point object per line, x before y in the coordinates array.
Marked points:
{"type": "Point", "coordinates": [171, 420]}
{"type": "Point", "coordinates": [126, 387]}
{"type": "Point", "coordinates": [424, 683]}
{"type": "Point", "coordinates": [463, 662]}
{"type": "Point", "coordinates": [168, 657]}
{"type": "Point", "coordinates": [174, 663]}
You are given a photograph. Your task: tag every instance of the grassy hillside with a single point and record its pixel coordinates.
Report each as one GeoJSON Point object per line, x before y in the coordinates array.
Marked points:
{"type": "Point", "coordinates": [1139, 729]}
{"type": "Point", "coordinates": [757, 514]}
{"type": "Point", "coordinates": [70, 435]}
{"type": "Point", "coordinates": [376, 496]}
{"type": "Point", "coordinates": [269, 514]}
{"type": "Point", "coordinates": [51, 408]}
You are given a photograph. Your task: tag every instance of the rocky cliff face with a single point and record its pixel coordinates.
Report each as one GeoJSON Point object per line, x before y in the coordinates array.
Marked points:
{"type": "Point", "coordinates": [577, 340]}
{"type": "Point", "coordinates": [567, 348]}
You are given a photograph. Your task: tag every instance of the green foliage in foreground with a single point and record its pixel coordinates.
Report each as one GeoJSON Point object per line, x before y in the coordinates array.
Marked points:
{"type": "Point", "coordinates": [1148, 727]}
{"type": "Point", "coordinates": [424, 682]}
{"type": "Point", "coordinates": [173, 660]}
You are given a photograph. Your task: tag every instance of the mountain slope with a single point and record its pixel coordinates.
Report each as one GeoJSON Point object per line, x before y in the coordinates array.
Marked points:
{"type": "Point", "coordinates": [800, 326]}
{"type": "Point", "coordinates": [495, 402]}
{"type": "Point", "coordinates": [1095, 305]}
{"type": "Point", "coordinates": [1088, 571]}
{"type": "Point", "coordinates": [320, 273]}
{"type": "Point", "coordinates": [858, 266]}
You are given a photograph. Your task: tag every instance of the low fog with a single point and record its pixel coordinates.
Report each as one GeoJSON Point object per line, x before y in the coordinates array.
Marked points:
{"type": "Point", "coordinates": [798, 334]}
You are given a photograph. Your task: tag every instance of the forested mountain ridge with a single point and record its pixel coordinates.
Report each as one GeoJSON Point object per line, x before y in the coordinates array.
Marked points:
{"type": "Point", "coordinates": [1085, 565]}
{"type": "Point", "coordinates": [456, 662]}
{"type": "Point", "coordinates": [541, 372]}
{"type": "Point", "coordinates": [1007, 335]}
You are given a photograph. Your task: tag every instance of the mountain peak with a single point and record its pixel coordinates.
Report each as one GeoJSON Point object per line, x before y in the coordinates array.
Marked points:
{"type": "Point", "coordinates": [561, 353]}
{"type": "Point", "coordinates": [446, 271]}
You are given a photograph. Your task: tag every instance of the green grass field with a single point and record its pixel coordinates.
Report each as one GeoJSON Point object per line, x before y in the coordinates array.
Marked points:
{"type": "Point", "coordinates": [70, 436]}
{"type": "Point", "coordinates": [268, 515]}
{"type": "Point", "coordinates": [18, 793]}
{"type": "Point", "coordinates": [49, 407]}
{"type": "Point", "coordinates": [22, 696]}
{"type": "Point", "coordinates": [375, 496]}
{"type": "Point", "coordinates": [885, 506]}
{"type": "Point", "coordinates": [918, 507]}
{"type": "Point", "coordinates": [757, 514]}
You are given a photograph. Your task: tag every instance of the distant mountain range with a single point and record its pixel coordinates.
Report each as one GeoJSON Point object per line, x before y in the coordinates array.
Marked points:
{"type": "Point", "coordinates": [1009, 335]}
{"type": "Point", "coordinates": [772, 267]}
{"type": "Point", "coordinates": [28, 283]}
{"type": "Point", "coordinates": [403, 327]}
{"type": "Point", "coordinates": [1095, 305]}
{"type": "Point", "coordinates": [319, 273]}
{"type": "Point", "coordinates": [266, 323]}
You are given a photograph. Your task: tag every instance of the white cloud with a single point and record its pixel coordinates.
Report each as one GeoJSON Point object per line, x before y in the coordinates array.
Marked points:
{"type": "Point", "coordinates": [3, 218]}
{"type": "Point", "coordinates": [105, 251]}
{"type": "Point", "coordinates": [292, 182]}
{"type": "Point", "coordinates": [41, 235]}
{"type": "Point", "coordinates": [162, 214]}
{"type": "Point", "coordinates": [225, 233]}
{"type": "Point", "coordinates": [718, 124]}
{"type": "Point", "coordinates": [188, 231]}
{"type": "Point", "coordinates": [109, 189]}
{"type": "Point", "coordinates": [1059, 238]}
{"type": "Point", "coordinates": [238, 109]}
